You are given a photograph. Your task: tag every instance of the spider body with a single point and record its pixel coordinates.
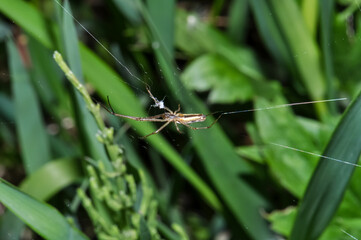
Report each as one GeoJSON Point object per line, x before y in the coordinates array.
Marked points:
{"type": "Point", "coordinates": [168, 117]}
{"type": "Point", "coordinates": [189, 118]}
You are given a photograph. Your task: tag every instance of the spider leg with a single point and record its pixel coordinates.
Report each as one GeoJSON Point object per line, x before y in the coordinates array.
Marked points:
{"type": "Point", "coordinates": [194, 128]}
{"type": "Point", "coordinates": [155, 132]}
{"type": "Point", "coordinates": [176, 125]}
{"type": "Point", "coordinates": [176, 111]}
{"type": "Point", "coordinates": [170, 111]}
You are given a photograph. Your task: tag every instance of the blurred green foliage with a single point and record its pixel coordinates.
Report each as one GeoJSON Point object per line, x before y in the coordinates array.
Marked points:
{"type": "Point", "coordinates": [229, 180]}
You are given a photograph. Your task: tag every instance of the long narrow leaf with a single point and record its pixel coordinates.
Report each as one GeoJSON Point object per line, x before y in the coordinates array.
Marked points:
{"type": "Point", "coordinates": [42, 185]}
{"type": "Point", "coordinates": [85, 121]}
{"type": "Point", "coordinates": [284, 29]}
{"type": "Point", "coordinates": [51, 178]}
{"type": "Point", "coordinates": [27, 15]}
{"type": "Point", "coordinates": [217, 153]}
{"type": "Point", "coordinates": [326, 14]}
{"type": "Point", "coordinates": [29, 121]}
{"type": "Point", "coordinates": [330, 179]}
{"type": "Point", "coordinates": [302, 47]}
{"type": "Point", "coordinates": [42, 218]}
{"type": "Point", "coordinates": [127, 103]}
{"type": "Point", "coordinates": [164, 16]}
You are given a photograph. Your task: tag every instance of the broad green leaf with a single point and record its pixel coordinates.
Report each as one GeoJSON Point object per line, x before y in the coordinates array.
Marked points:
{"type": "Point", "coordinates": [197, 38]}
{"type": "Point", "coordinates": [28, 118]}
{"type": "Point", "coordinates": [41, 217]}
{"type": "Point", "coordinates": [292, 169]}
{"type": "Point", "coordinates": [282, 221]}
{"type": "Point", "coordinates": [227, 83]}
{"type": "Point", "coordinates": [212, 72]}
{"type": "Point", "coordinates": [330, 179]}
{"type": "Point", "coordinates": [250, 152]}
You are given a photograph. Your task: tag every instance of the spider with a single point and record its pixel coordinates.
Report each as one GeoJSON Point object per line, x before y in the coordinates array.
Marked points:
{"type": "Point", "coordinates": [168, 117]}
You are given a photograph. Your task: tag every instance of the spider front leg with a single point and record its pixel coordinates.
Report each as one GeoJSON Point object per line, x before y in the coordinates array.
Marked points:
{"type": "Point", "coordinates": [155, 132]}
{"type": "Point", "coordinates": [195, 128]}
{"type": "Point", "coordinates": [177, 111]}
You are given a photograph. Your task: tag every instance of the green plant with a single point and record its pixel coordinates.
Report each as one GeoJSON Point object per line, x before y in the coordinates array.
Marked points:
{"type": "Point", "coordinates": [268, 53]}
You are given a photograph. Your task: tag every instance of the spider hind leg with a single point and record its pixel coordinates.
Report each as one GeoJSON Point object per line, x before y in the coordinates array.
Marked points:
{"type": "Point", "coordinates": [157, 131]}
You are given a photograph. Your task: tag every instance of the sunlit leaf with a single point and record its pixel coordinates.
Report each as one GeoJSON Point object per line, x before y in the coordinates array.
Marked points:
{"type": "Point", "coordinates": [212, 72]}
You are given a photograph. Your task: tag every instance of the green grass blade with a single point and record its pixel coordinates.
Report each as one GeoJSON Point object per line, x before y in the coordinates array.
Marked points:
{"type": "Point", "coordinates": [129, 10]}
{"type": "Point", "coordinates": [125, 102]}
{"type": "Point", "coordinates": [29, 121]}
{"type": "Point", "coordinates": [287, 37]}
{"type": "Point", "coordinates": [42, 218]}
{"type": "Point", "coordinates": [238, 20]}
{"type": "Point", "coordinates": [85, 121]}
{"type": "Point", "coordinates": [27, 16]}
{"type": "Point", "coordinates": [269, 31]}
{"type": "Point", "coordinates": [144, 233]}
{"type": "Point", "coordinates": [217, 154]}
{"type": "Point", "coordinates": [11, 227]}
{"type": "Point", "coordinates": [42, 185]}
{"type": "Point", "coordinates": [51, 178]}
{"type": "Point", "coordinates": [49, 83]}
{"type": "Point", "coordinates": [164, 18]}
{"type": "Point", "coordinates": [330, 179]}
{"type": "Point", "coordinates": [326, 15]}
{"type": "Point", "coordinates": [70, 42]}
{"type": "Point", "coordinates": [220, 160]}
{"type": "Point", "coordinates": [310, 15]}
{"type": "Point", "coordinates": [299, 41]}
